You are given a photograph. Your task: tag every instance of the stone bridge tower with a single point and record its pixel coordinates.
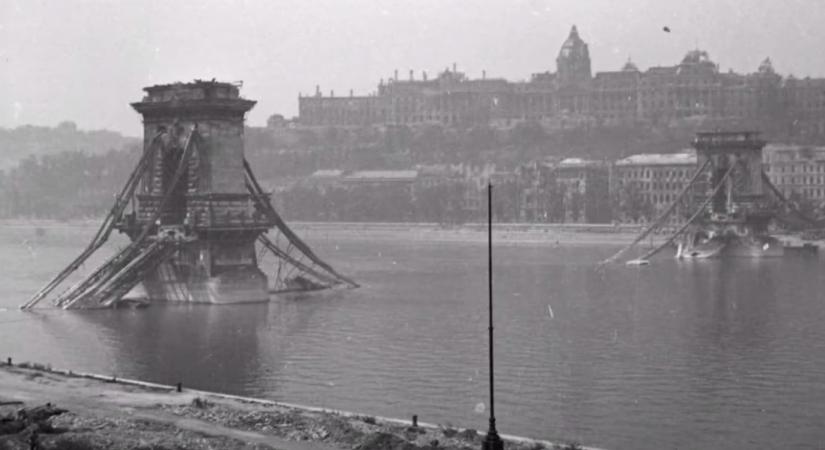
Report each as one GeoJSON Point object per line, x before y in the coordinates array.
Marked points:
{"type": "Point", "coordinates": [197, 212]}
{"type": "Point", "coordinates": [209, 205]}
{"type": "Point", "coordinates": [736, 208]}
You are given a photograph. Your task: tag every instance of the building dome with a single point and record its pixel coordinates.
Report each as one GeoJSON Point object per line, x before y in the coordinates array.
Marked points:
{"type": "Point", "coordinates": [697, 61]}
{"type": "Point", "coordinates": [629, 66]}
{"type": "Point", "coordinates": [573, 62]}
{"type": "Point", "coordinates": [766, 67]}
{"type": "Point", "coordinates": [573, 45]}
{"type": "Point", "coordinates": [696, 57]}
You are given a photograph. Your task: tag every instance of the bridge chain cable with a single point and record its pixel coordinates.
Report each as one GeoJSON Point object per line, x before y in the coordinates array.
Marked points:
{"type": "Point", "coordinates": [261, 199]}
{"type": "Point", "coordinates": [662, 217]}
{"type": "Point", "coordinates": [819, 223]}
{"type": "Point", "coordinates": [106, 227]}
{"type": "Point", "coordinates": [92, 284]}
{"type": "Point", "coordinates": [692, 218]}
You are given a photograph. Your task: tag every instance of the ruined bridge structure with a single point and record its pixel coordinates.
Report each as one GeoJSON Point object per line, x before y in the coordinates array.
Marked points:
{"type": "Point", "coordinates": [198, 220]}
{"type": "Point", "coordinates": [731, 203]}
{"type": "Point", "coordinates": [740, 207]}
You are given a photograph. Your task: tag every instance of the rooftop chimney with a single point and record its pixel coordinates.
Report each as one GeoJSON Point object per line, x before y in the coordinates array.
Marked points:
{"type": "Point", "coordinates": [350, 92]}
{"type": "Point", "coordinates": [396, 75]}
{"type": "Point", "coordinates": [483, 74]}
{"type": "Point", "coordinates": [424, 75]}
{"type": "Point", "coordinates": [411, 75]}
{"type": "Point", "coordinates": [454, 71]}
{"type": "Point", "coordinates": [317, 90]}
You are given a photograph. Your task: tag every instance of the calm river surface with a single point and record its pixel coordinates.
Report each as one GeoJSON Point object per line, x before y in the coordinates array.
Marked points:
{"type": "Point", "coordinates": [673, 355]}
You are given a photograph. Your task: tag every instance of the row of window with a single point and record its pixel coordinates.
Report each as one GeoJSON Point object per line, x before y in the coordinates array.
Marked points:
{"type": "Point", "coordinates": [658, 199]}
{"type": "Point", "coordinates": [657, 174]}
{"type": "Point", "coordinates": [647, 108]}
{"type": "Point", "coordinates": [809, 193]}
{"type": "Point", "coordinates": [674, 186]}
{"type": "Point", "coordinates": [803, 168]}
{"type": "Point", "coordinates": [798, 180]}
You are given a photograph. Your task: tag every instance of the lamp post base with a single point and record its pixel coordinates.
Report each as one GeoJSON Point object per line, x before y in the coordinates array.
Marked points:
{"type": "Point", "coordinates": [492, 441]}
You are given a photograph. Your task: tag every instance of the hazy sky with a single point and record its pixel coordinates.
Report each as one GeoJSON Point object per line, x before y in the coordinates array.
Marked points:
{"type": "Point", "coordinates": [86, 60]}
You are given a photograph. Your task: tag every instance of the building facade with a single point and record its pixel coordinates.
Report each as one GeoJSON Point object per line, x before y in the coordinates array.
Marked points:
{"type": "Point", "coordinates": [573, 190]}
{"type": "Point", "coordinates": [643, 186]}
{"type": "Point", "coordinates": [693, 89]}
{"type": "Point", "coordinates": [797, 171]}
{"type": "Point", "coordinates": [538, 193]}
{"type": "Point", "coordinates": [584, 190]}
{"type": "Point", "coordinates": [635, 189]}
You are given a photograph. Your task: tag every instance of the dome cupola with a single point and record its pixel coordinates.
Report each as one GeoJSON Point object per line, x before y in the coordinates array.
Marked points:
{"type": "Point", "coordinates": [573, 62]}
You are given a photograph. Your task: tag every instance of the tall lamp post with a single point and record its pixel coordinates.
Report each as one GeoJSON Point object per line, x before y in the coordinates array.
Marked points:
{"type": "Point", "coordinates": [492, 441]}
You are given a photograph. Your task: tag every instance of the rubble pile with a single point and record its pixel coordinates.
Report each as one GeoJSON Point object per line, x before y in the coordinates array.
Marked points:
{"type": "Point", "coordinates": [355, 432]}
{"type": "Point", "coordinates": [50, 428]}
{"type": "Point", "coordinates": [97, 413]}
{"type": "Point", "coordinates": [289, 424]}
{"type": "Point", "coordinates": [23, 428]}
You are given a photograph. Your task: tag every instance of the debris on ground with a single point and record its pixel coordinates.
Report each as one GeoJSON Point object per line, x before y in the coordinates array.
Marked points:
{"type": "Point", "coordinates": [46, 410]}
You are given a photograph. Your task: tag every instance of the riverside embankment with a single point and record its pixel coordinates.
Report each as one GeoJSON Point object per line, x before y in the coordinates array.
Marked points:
{"type": "Point", "coordinates": [44, 408]}
{"type": "Point", "coordinates": [583, 234]}
{"type": "Point", "coordinates": [503, 233]}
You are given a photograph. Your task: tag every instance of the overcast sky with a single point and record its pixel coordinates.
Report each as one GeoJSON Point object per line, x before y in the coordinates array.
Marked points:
{"type": "Point", "coordinates": [86, 60]}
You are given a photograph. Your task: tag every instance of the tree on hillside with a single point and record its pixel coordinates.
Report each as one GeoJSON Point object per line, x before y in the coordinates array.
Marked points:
{"type": "Point", "coordinates": [574, 207]}
{"type": "Point", "coordinates": [397, 138]}
{"type": "Point", "coordinates": [506, 201]}
{"type": "Point", "coordinates": [804, 205]}
{"type": "Point", "coordinates": [428, 143]}
{"type": "Point", "coordinates": [555, 203]}
{"type": "Point", "coordinates": [18, 143]}
{"type": "Point", "coordinates": [66, 184]}
{"type": "Point", "coordinates": [67, 126]}
{"type": "Point", "coordinates": [630, 204]}
{"type": "Point", "coordinates": [528, 135]}
{"type": "Point", "coordinates": [480, 138]}
{"type": "Point", "coordinates": [430, 203]}
{"type": "Point", "coordinates": [276, 121]}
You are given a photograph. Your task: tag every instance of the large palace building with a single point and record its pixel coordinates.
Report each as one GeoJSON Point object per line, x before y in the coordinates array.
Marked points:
{"type": "Point", "coordinates": [572, 97]}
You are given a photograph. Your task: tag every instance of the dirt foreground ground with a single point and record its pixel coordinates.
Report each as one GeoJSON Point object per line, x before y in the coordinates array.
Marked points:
{"type": "Point", "coordinates": [42, 408]}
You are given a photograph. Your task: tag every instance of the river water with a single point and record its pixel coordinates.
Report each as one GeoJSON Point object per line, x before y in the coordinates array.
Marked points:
{"type": "Point", "coordinates": [673, 355]}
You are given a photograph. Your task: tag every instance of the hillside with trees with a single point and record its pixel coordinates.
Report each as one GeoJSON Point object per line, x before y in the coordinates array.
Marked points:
{"type": "Point", "coordinates": [24, 141]}
{"type": "Point", "coordinates": [283, 152]}
{"type": "Point", "coordinates": [62, 172]}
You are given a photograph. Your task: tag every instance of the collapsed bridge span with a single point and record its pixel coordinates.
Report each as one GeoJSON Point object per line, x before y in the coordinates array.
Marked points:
{"type": "Point", "coordinates": [732, 204]}
{"type": "Point", "coordinates": [199, 219]}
